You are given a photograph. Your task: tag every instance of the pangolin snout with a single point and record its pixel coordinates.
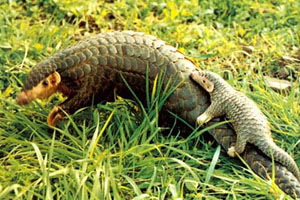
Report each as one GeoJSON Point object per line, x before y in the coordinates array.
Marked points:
{"type": "Point", "coordinates": [22, 98]}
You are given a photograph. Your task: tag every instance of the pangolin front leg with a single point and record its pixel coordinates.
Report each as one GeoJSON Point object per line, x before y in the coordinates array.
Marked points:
{"type": "Point", "coordinates": [54, 116]}
{"type": "Point", "coordinates": [69, 106]}
{"type": "Point", "coordinates": [210, 113]}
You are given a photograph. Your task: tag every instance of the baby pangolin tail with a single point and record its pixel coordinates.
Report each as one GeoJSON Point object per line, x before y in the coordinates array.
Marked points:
{"type": "Point", "coordinates": [279, 155]}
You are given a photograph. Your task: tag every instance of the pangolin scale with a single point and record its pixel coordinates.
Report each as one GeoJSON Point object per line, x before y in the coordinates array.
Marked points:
{"type": "Point", "coordinates": [92, 68]}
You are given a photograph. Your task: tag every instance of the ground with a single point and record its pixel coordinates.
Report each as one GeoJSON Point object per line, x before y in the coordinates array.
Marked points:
{"type": "Point", "coordinates": [98, 155]}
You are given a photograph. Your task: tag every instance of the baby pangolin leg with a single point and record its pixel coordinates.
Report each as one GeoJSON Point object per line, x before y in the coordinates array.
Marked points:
{"type": "Point", "coordinates": [206, 116]}
{"type": "Point", "coordinates": [214, 110]}
{"type": "Point", "coordinates": [238, 148]}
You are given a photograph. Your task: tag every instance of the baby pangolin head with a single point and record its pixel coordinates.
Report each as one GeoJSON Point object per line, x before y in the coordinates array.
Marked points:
{"type": "Point", "coordinates": [210, 81]}
{"type": "Point", "coordinates": [205, 79]}
{"type": "Point", "coordinates": [44, 89]}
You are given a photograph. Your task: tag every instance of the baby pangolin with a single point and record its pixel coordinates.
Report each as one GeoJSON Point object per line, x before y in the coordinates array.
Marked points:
{"type": "Point", "coordinates": [248, 121]}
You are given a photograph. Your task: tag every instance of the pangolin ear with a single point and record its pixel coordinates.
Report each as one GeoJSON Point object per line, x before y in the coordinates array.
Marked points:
{"type": "Point", "coordinates": [55, 78]}
{"type": "Point", "coordinates": [209, 86]}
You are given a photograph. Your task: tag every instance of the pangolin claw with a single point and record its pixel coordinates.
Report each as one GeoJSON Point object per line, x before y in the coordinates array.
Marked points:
{"type": "Point", "coordinates": [231, 151]}
{"type": "Point", "coordinates": [54, 116]}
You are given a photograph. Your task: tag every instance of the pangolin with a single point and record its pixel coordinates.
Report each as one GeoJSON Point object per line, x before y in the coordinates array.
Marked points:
{"type": "Point", "coordinates": [91, 69]}
{"type": "Point", "coordinates": [249, 123]}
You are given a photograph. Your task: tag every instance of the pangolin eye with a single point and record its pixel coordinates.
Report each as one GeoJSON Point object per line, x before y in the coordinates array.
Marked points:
{"type": "Point", "coordinates": [45, 83]}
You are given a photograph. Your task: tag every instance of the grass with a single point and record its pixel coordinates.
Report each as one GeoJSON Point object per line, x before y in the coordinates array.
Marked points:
{"type": "Point", "coordinates": [118, 150]}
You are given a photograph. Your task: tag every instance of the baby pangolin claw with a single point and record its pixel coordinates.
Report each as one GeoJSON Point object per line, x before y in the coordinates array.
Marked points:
{"type": "Point", "coordinates": [202, 119]}
{"type": "Point", "coordinates": [231, 151]}
{"type": "Point", "coordinates": [54, 116]}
